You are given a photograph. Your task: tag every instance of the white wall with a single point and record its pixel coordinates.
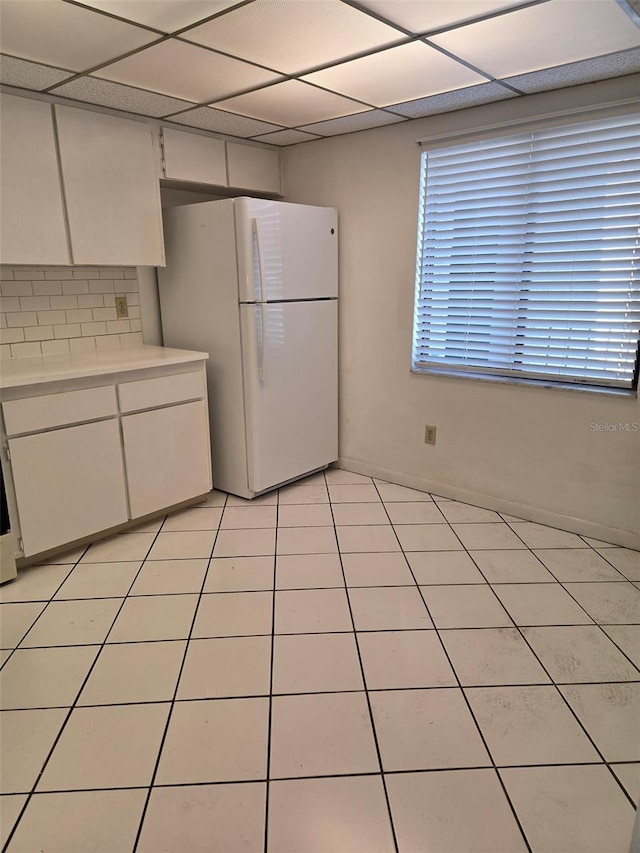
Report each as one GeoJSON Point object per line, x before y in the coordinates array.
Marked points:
{"type": "Point", "coordinates": [526, 450]}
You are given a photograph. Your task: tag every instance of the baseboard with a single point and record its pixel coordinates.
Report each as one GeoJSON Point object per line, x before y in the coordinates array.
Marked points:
{"type": "Point", "coordinates": [614, 535]}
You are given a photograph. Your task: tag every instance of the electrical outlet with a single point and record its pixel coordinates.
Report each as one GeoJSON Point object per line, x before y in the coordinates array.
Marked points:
{"type": "Point", "coordinates": [122, 310]}
{"type": "Point", "coordinates": [429, 434]}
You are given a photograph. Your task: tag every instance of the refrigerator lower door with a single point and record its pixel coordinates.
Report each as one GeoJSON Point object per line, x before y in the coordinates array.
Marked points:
{"type": "Point", "coordinates": [290, 387]}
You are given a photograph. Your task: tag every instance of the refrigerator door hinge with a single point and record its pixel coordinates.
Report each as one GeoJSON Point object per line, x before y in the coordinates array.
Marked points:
{"type": "Point", "coordinates": [163, 162]}
{"type": "Point", "coordinates": [21, 544]}
{"type": "Point", "coordinates": [7, 454]}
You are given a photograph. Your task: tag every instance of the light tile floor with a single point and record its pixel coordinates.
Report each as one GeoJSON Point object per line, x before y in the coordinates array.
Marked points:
{"type": "Point", "coordinates": [346, 666]}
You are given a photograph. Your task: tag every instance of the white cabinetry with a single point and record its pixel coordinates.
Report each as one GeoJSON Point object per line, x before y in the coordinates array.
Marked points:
{"type": "Point", "coordinates": [194, 158]}
{"type": "Point", "coordinates": [251, 168]}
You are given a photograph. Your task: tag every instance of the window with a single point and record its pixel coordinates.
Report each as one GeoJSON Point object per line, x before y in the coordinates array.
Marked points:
{"type": "Point", "coordinates": [528, 261]}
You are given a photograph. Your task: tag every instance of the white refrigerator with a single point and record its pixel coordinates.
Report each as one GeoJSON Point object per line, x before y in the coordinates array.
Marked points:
{"type": "Point", "coordinates": [254, 283]}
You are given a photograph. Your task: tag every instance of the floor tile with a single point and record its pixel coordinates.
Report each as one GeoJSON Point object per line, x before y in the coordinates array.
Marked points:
{"type": "Point", "coordinates": [154, 617]}
{"type": "Point", "coordinates": [308, 571]}
{"type": "Point", "coordinates": [225, 667]}
{"type": "Point", "coordinates": [134, 672]}
{"type": "Point", "coordinates": [488, 823]}
{"type": "Point", "coordinates": [182, 546]}
{"type": "Point", "coordinates": [247, 517]}
{"type": "Point", "coordinates": [35, 583]}
{"type": "Point", "coordinates": [26, 737]}
{"type": "Point", "coordinates": [623, 559]}
{"type": "Point", "coordinates": [460, 513]}
{"type": "Point", "coordinates": [341, 477]}
{"type": "Point", "coordinates": [578, 564]}
{"type": "Point", "coordinates": [45, 678]}
{"type": "Point", "coordinates": [16, 620]}
{"type": "Point", "coordinates": [608, 603]}
{"type": "Point", "coordinates": [99, 580]}
{"type": "Point", "coordinates": [228, 614]}
{"type": "Point", "coordinates": [106, 747]}
{"type": "Point", "coordinates": [151, 526]}
{"type": "Point", "coordinates": [611, 715]}
{"type": "Point", "coordinates": [10, 808]}
{"type": "Point", "coordinates": [540, 604]}
{"type": "Point", "coordinates": [326, 734]}
{"type": "Point", "coordinates": [490, 536]}
{"type": "Point", "coordinates": [390, 493]}
{"type": "Point", "coordinates": [629, 775]}
{"type": "Point", "coordinates": [216, 740]}
{"type": "Point", "coordinates": [307, 540]}
{"type": "Point", "coordinates": [363, 513]}
{"type": "Point", "coordinates": [305, 515]}
{"type": "Point", "coordinates": [426, 729]}
{"type": "Point", "coordinates": [395, 659]}
{"type": "Point", "coordinates": [198, 518]}
{"type": "Point", "coordinates": [163, 577]}
{"type": "Point", "coordinates": [362, 493]}
{"type": "Point", "coordinates": [511, 566]}
{"type": "Point", "coordinates": [115, 549]}
{"type": "Point", "coordinates": [388, 608]}
{"type": "Point", "coordinates": [77, 821]}
{"type": "Point", "coordinates": [462, 606]}
{"type": "Point", "coordinates": [597, 543]}
{"type": "Point", "coordinates": [296, 494]}
{"type": "Point", "coordinates": [316, 663]}
{"type": "Point", "coordinates": [427, 537]}
{"type": "Point", "coordinates": [529, 725]}
{"type": "Point", "coordinates": [579, 653]}
{"type": "Point", "coordinates": [67, 557]}
{"type": "Point", "coordinates": [383, 569]}
{"type": "Point", "coordinates": [312, 611]}
{"type": "Point", "coordinates": [240, 574]}
{"type": "Point", "coordinates": [73, 623]}
{"type": "Point", "coordinates": [363, 539]}
{"type": "Point", "coordinates": [540, 536]}
{"type": "Point", "coordinates": [319, 815]}
{"type": "Point", "coordinates": [268, 499]}
{"type": "Point", "coordinates": [627, 637]}
{"type": "Point", "coordinates": [215, 498]}
{"type": "Point", "coordinates": [417, 512]}
{"type": "Point", "coordinates": [566, 809]}
{"type": "Point", "coordinates": [205, 819]}
{"type": "Point", "coordinates": [492, 656]}
{"type": "Point", "coordinates": [443, 567]}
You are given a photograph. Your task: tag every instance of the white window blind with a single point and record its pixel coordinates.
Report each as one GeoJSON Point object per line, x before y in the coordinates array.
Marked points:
{"type": "Point", "coordinates": [528, 261]}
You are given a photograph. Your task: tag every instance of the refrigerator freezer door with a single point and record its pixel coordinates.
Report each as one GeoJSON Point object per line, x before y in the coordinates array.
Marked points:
{"type": "Point", "coordinates": [290, 386]}
{"type": "Point", "coordinates": [286, 251]}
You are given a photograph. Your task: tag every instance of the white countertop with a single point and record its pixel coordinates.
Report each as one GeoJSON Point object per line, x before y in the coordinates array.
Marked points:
{"type": "Point", "coordinates": [31, 370]}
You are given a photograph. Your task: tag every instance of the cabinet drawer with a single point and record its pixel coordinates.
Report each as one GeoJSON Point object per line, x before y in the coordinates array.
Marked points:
{"type": "Point", "coordinates": [34, 414]}
{"type": "Point", "coordinates": [163, 391]}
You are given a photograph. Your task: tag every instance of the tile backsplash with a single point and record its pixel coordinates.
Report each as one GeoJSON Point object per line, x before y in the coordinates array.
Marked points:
{"type": "Point", "coordinates": [47, 310]}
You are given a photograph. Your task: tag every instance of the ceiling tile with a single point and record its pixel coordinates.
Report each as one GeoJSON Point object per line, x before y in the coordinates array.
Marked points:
{"type": "Point", "coordinates": [349, 124]}
{"type": "Point", "coordinates": [29, 75]}
{"type": "Point", "coordinates": [55, 33]}
{"type": "Point", "coordinates": [165, 15]}
{"type": "Point", "coordinates": [460, 99]}
{"type": "Point", "coordinates": [292, 103]}
{"type": "Point", "coordinates": [219, 121]}
{"type": "Point", "coordinates": [575, 73]}
{"type": "Point", "coordinates": [293, 37]}
{"type": "Point", "coordinates": [436, 14]}
{"type": "Point", "coordinates": [118, 97]}
{"type": "Point", "coordinates": [186, 71]}
{"type": "Point", "coordinates": [397, 74]}
{"type": "Point", "coordinates": [553, 33]}
{"type": "Point", "coordinates": [286, 137]}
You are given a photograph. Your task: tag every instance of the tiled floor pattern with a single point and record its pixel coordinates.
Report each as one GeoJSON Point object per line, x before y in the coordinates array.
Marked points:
{"type": "Point", "coordinates": [346, 666]}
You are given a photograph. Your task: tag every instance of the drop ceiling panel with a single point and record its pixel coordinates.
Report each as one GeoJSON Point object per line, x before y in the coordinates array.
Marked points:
{"type": "Point", "coordinates": [219, 121]}
{"type": "Point", "coordinates": [186, 71]}
{"type": "Point", "coordinates": [165, 15]}
{"type": "Point", "coordinates": [460, 99]}
{"type": "Point", "coordinates": [29, 75]}
{"type": "Point", "coordinates": [553, 33]}
{"type": "Point", "coordinates": [436, 14]}
{"type": "Point", "coordinates": [397, 74]}
{"type": "Point", "coordinates": [291, 103]}
{"type": "Point", "coordinates": [64, 35]}
{"type": "Point", "coordinates": [349, 124]}
{"type": "Point", "coordinates": [286, 137]}
{"type": "Point", "coordinates": [293, 37]}
{"type": "Point", "coordinates": [576, 73]}
{"type": "Point", "coordinates": [118, 97]}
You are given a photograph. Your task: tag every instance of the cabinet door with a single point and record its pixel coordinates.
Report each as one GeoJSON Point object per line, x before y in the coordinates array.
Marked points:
{"type": "Point", "coordinates": [167, 456]}
{"type": "Point", "coordinates": [190, 157]}
{"type": "Point", "coordinates": [33, 227]}
{"type": "Point", "coordinates": [251, 168]}
{"type": "Point", "coordinates": [111, 189]}
{"type": "Point", "coordinates": [69, 483]}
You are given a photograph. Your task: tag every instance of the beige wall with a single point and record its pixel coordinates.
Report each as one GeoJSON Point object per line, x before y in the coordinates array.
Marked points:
{"type": "Point", "coordinates": [530, 451]}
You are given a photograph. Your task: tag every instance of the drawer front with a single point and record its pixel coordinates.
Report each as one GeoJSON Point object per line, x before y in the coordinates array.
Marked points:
{"type": "Point", "coordinates": [34, 414]}
{"type": "Point", "coordinates": [163, 391]}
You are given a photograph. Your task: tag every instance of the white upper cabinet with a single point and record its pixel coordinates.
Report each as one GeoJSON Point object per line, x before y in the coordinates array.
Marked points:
{"type": "Point", "coordinates": [111, 189]}
{"type": "Point", "coordinates": [32, 226]}
{"type": "Point", "coordinates": [251, 168]}
{"type": "Point", "coordinates": [191, 157]}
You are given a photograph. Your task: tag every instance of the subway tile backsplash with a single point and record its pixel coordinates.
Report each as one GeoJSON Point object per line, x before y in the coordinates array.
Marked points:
{"type": "Point", "coordinates": [47, 310]}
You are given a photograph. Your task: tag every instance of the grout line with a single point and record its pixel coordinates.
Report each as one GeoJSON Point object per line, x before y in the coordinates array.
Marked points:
{"type": "Point", "coordinates": [272, 653]}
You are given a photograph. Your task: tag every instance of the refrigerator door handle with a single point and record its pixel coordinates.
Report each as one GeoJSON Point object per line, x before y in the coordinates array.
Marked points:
{"type": "Point", "coordinates": [260, 324]}
{"type": "Point", "coordinates": [257, 259]}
